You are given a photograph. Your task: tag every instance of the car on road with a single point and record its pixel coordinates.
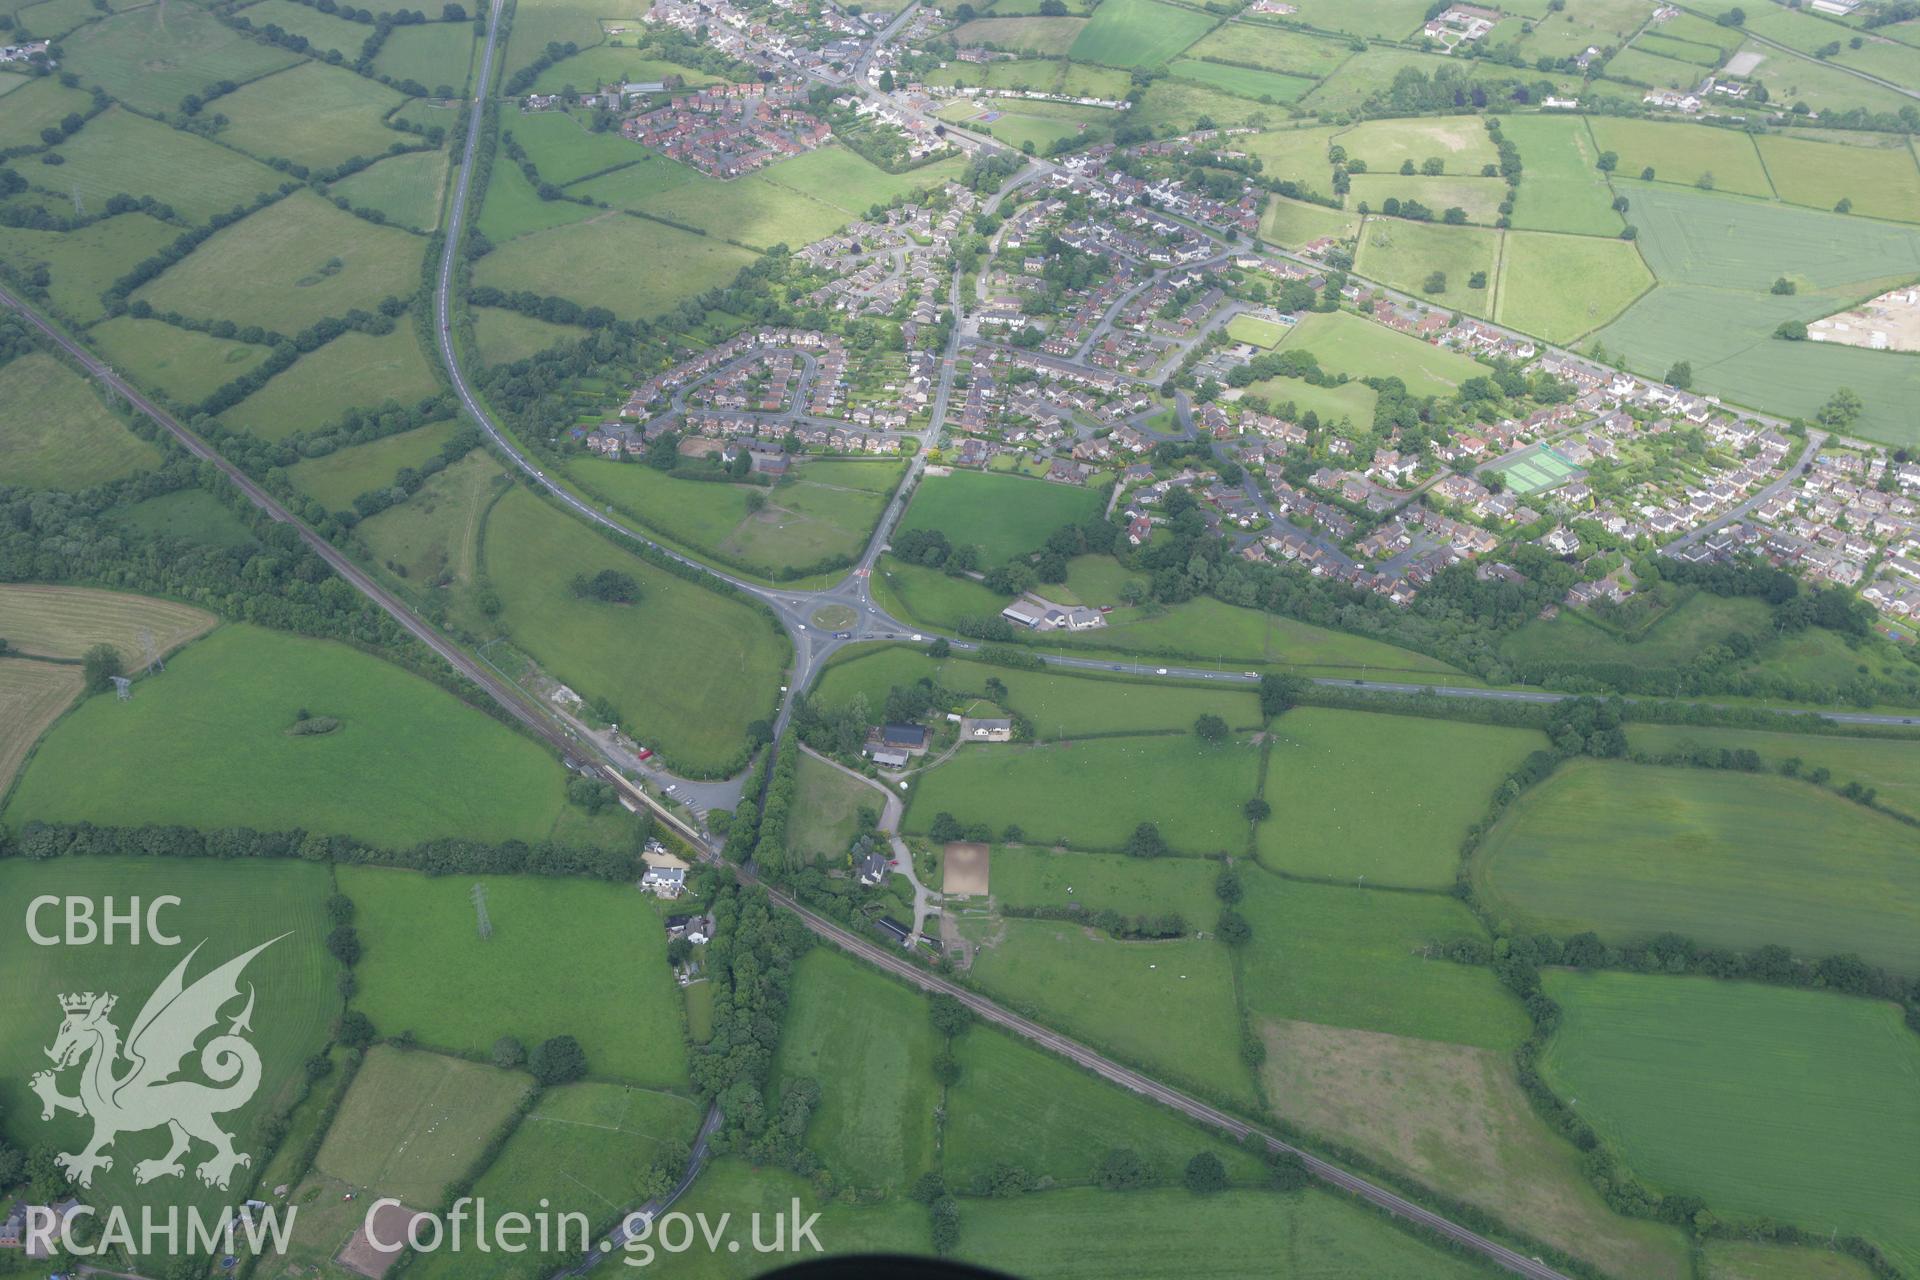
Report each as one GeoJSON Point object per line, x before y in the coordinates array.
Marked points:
{"type": "Point", "coordinates": [1161, 671]}
{"type": "Point", "coordinates": [646, 753]}
{"type": "Point", "coordinates": [843, 635]}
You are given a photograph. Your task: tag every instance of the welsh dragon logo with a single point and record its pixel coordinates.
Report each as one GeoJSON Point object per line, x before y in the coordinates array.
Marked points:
{"type": "Point", "coordinates": [146, 1092]}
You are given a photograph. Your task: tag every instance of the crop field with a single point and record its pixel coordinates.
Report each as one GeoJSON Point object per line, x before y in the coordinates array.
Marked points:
{"type": "Point", "coordinates": [83, 263]}
{"type": "Point", "coordinates": [1561, 287]}
{"type": "Point", "coordinates": [1005, 516]}
{"type": "Point", "coordinates": [584, 1148]}
{"type": "Point", "coordinates": [206, 744]}
{"type": "Point", "coordinates": [433, 538]}
{"type": "Point", "coordinates": [1388, 798]}
{"type": "Point", "coordinates": [1693, 237]}
{"type": "Point", "coordinates": [1882, 181]}
{"type": "Point", "coordinates": [337, 479]}
{"type": "Point", "coordinates": [1275, 48]}
{"type": "Point", "coordinates": [406, 188]}
{"type": "Point", "coordinates": [435, 54]}
{"type": "Point", "coordinates": [1454, 1117]}
{"type": "Point", "coordinates": [1729, 859]}
{"type": "Point", "coordinates": [55, 433]}
{"type": "Point", "coordinates": [311, 114]}
{"type": "Point", "coordinates": [1292, 223]}
{"type": "Point", "coordinates": [1683, 154]}
{"type": "Point", "coordinates": [1029, 1108]}
{"type": "Point", "coordinates": [827, 815]}
{"type": "Point", "coordinates": [35, 104]}
{"type": "Point", "coordinates": [1346, 343]}
{"type": "Point", "coordinates": [503, 336]}
{"type": "Point", "coordinates": [1560, 188]}
{"type": "Point", "coordinates": [1461, 142]}
{"type": "Point", "coordinates": [413, 1123]}
{"type": "Point", "coordinates": [1406, 254]}
{"type": "Point", "coordinates": [1168, 1005]}
{"type": "Point", "coordinates": [1381, 19]}
{"type": "Point", "coordinates": [1049, 37]}
{"type": "Point", "coordinates": [613, 260]}
{"type": "Point", "coordinates": [1890, 766]}
{"type": "Point", "coordinates": [1247, 82]}
{"type": "Point", "coordinates": [1350, 957]}
{"type": "Point", "coordinates": [151, 57]}
{"type": "Point", "coordinates": [32, 696]}
{"type": "Point", "coordinates": [1479, 197]}
{"type": "Point", "coordinates": [846, 1023]}
{"type": "Point", "coordinates": [1258, 332]}
{"type": "Point", "coordinates": [1025, 876]}
{"type": "Point", "coordinates": [64, 622]}
{"type": "Point", "coordinates": [1193, 790]}
{"type": "Point", "coordinates": [233, 907]}
{"type": "Point", "coordinates": [179, 363]}
{"type": "Point", "coordinates": [277, 267]}
{"type": "Point", "coordinates": [688, 668]}
{"type": "Point", "coordinates": [355, 370]}
{"type": "Point", "coordinates": [428, 970]}
{"type": "Point", "coordinates": [1797, 1105]}
{"type": "Point", "coordinates": [121, 152]}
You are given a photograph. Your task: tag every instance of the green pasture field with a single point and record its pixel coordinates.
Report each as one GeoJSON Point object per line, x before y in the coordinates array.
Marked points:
{"type": "Point", "coordinates": [1005, 516]}
{"type": "Point", "coordinates": [604, 64]}
{"type": "Point", "coordinates": [1241, 1234]}
{"type": "Point", "coordinates": [1275, 48]}
{"type": "Point", "coordinates": [1888, 59]}
{"type": "Point", "coordinates": [83, 264]}
{"type": "Point", "coordinates": [303, 1124]}
{"type": "Point", "coordinates": [1682, 153]}
{"type": "Point", "coordinates": [1461, 141]}
{"type": "Point", "coordinates": [428, 970]}
{"type": "Point", "coordinates": [841, 177]}
{"type": "Point", "coordinates": [502, 336]}
{"type": "Point", "coordinates": [1796, 1105]}
{"type": "Point", "coordinates": [624, 254]}
{"type": "Point", "coordinates": [643, 176]}
{"type": "Point", "coordinates": [1350, 957]}
{"type": "Point", "coordinates": [1560, 189]}
{"type": "Point", "coordinates": [311, 114]}
{"type": "Point", "coordinates": [513, 208]}
{"type": "Point", "coordinates": [1890, 766]}
{"type": "Point", "coordinates": [1292, 223]}
{"type": "Point", "coordinates": [406, 188]}
{"type": "Point", "coordinates": [869, 1043]}
{"type": "Point", "coordinates": [151, 57]}
{"type": "Point", "coordinates": [1044, 74]}
{"type": "Point", "coordinates": [564, 149]}
{"type": "Point", "coordinates": [1028, 876]}
{"type": "Point", "coordinates": [584, 1148]}
{"type": "Point", "coordinates": [35, 104]}
{"type": "Point", "coordinates": [827, 816]}
{"type": "Point", "coordinates": [1369, 73]}
{"type": "Point", "coordinates": [1247, 82]}
{"type": "Point", "coordinates": [1060, 706]}
{"type": "Point", "coordinates": [1821, 86]}
{"type": "Point", "coordinates": [1018, 124]}
{"type": "Point", "coordinates": [337, 479]}
{"type": "Point", "coordinates": [120, 152]}
{"type": "Point", "coordinates": [1740, 1260]}
{"type": "Point", "coordinates": [1375, 19]}
{"type": "Point", "coordinates": [1480, 197]}
{"type": "Point", "coordinates": [1453, 1116]}
{"type": "Point", "coordinates": [230, 907]}
{"type": "Point", "coordinates": [1882, 181]}
{"type": "Point", "coordinates": [325, 30]}
{"type": "Point", "coordinates": [1049, 37]}
{"type": "Point", "coordinates": [32, 696]}
{"type": "Point", "coordinates": [64, 622]}
{"type": "Point", "coordinates": [1561, 287]}
{"type": "Point", "coordinates": [1137, 33]}
{"type": "Point", "coordinates": [1258, 332]}
{"type": "Point", "coordinates": [1192, 789]}
{"type": "Point", "coordinates": [1299, 154]}
{"type": "Point", "coordinates": [180, 363]}
{"type": "Point", "coordinates": [1656, 41]}
{"type": "Point", "coordinates": [1352, 402]}
{"type": "Point", "coordinates": [1166, 1005]}
{"type": "Point", "coordinates": [271, 268]}
{"type": "Point", "coordinates": [895, 1225]}
{"type": "Point", "coordinates": [688, 668]}
{"type": "Point", "coordinates": [55, 433]}
{"type": "Point", "coordinates": [542, 22]}
{"type": "Point", "coordinates": [1698, 30]}
{"type": "Point", "coordinates": [1021, 1105]}
{"type": "Point", "coordinates": [1349, 344]}
{"type": "Point", "coordinates": [1591, 22]}
{"type": "Point", "coordinates": [435, 54]}
{"type": "Point", "coordinates": [354, 370]}
{"type": "Point", "coordinates": [434, 536]}
{"type": "Point", "coordinates": [1644, 64]}
{"type": "Point", "coordinates": [413, 1123]}
{"type": "Point", "coordinates": [209, 736]}
{"type": "Point", "coordinates": [1385, 797]}
{"type": "Point", "coordinates": [1181, 104]}
{"type": "Point", "coordinates": [752, 210]}
{"type": "Point", "coordinates": [1731, 860]}
{"type": "Point", "coordinates": [1404, 254]}
{"type": "Point", "coordinates": [191, 515]}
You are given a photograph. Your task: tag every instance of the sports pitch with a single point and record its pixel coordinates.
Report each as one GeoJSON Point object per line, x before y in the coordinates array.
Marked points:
{"type": "Point", "coordinates": [1540, 469]}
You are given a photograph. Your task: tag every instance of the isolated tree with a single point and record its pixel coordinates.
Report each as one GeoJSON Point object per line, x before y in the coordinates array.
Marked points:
{"type": "Point", "coordinates": [339, 908]}
{"type": "Point", "coordinates": [558, 1060]}
{"type": "Point", "coordinates": [1406, 168]}
{"type": "Point", "coordinates": [1839, 412]}
{"type": "Point", "coordinates": [1146, 842]}
{"type": "Point", "coordinates": [344, 943]}
{"type": "Point", "coordinates": [946, 1069]}
{"type": "Point", "coordinates": [1286, 1171]}
{"type": "Point", "coordinates": [949, 1016]}
{"type": "Point", "coordinates": [1433, 166]}
{"type": "Point", "coordinates": [1435, 283]}
{"type": "Point", "coordinates": [928, 1187]}
{"type": "Point", "coordinates": [1205, 1174]}
{"type": "Point", "coordinates": [1257, 810]}
{"type": "Point", "coordinates": [1227, 885]}
{"type": "Point", "coordinates": [1233, 928]}
{"type": "Point", "coordinates": [1792, 330]}
{"type": "Point", "coordinates": [1279, 693]}
{"type": "Point", "coordinates": [509, 1053]}
{"type": "Point", "coordinates": [1785, 287]}
{"type": "Point", "coordinates": [1211, 728]}
{"type": "Point", "coordinates": [1122, 1169]}
{"type": "Point", "coordinates": [356, 1030]}
{"type": "Point", "coordinates": [1608, 161]}
{"type": "Point", "coordinates": [1845, 205]}
{"type": "Point", "coordinates": [1680, 374]}
{"type": "Point", "coordinates": [99, 666]}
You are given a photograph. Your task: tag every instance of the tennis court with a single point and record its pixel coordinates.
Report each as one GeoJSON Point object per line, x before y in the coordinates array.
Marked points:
{"type": "Point", "coordinates": [1540, 469]}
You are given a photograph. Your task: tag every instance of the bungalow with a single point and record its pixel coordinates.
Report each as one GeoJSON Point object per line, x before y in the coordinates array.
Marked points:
{"type": "Point", "coordinates": [986, 730]}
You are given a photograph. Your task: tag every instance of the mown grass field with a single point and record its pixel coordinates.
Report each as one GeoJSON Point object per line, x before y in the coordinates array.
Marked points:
{"type": "Point", "coordinates": [867, 1040]}
{"type": "Point", "coordinates": [231, 907]}
{"type": "Point", "coordinates": [1795, 1105]}
{"type": "Point", "coordinates": [180, 363]}
{"type": "Point", "coordinates": [1346, 343]}
{"type": "Point", "coordinates": [1193, 790]}
{"type": "Point", "coordinates": [1731, 860]}
{"type": "Point", "coordinates": [1406, 254]}
{"type": "Point", "coordinates": [32, 696]}
{"type": "Point", "coordinates": [56, 434]}
{"type": "Point", "coordinates": [83, 264]}
{"type": "Point", "coordinates": [205, 744]}
{"type": "Point", "coordinates": [406, 188]}
{"type": "Point", "coordinates": [688, 668]}
{"type": "Point", "coordinates": [64, 622]}
{"type": "Point", "coordinates": [311, 114]}
{"type": "Point", "coordinates": [1454, 1117]}
{"type": "Point", "coordinates": [827, 816]}
{"type": "Point", "coordinates": [275, 267]}
{"type": "Point", "coordinates": [120, 152]}
{"type": "Point", "coordinates": [337, 479]}
{"type": "Point", "coordinates": [1005, 516]}
{"type": "Point", "coordinates": [151, 57]}
{"type": "Point", "coordinates": [1560, 188]}
{"type": "Point", "coordinates": [1254, 330]}
{"type": "Point", "coordinates": [1358, 958]}
{"type": "Point", "coordinates": [1561, 287]}
{"type": "Point", "coordinates": [355, 370]}
{"type": "Point", "coordinates": [503, 336]}
{"type": "Point", "coordinates": [1385, 797]}
{"type": "Point", "coordinates": [413, 1123]}
{"type": "Point", "coordinates": [1351, 403]}
{"type": "Point", "coordinates": [623, 254]}
{"type": "Point", "coordinates": [428, 970]}
{"type": "Point", "coordinates": [1890, 766]}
